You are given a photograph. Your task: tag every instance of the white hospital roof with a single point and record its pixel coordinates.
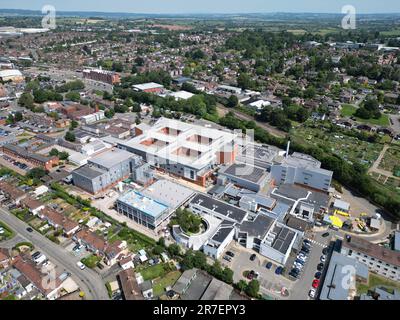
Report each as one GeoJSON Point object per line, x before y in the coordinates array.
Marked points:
{"type": "Point", "coordinates": [10, 73]}
{"type": "Point", "coordinates": [147, 86]}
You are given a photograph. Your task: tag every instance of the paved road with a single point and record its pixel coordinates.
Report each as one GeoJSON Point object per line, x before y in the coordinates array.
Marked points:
{"type": "Point", "coordinates": [9, 244]}
{"type": "Point", "coordinates": [87, 279]}
{"type": "Point", "coordinates": [395, 125]}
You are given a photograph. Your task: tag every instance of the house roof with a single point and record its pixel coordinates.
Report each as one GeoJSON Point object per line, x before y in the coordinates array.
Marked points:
{"type": "Point", "coordinates": [11, 191]}
{"type": "Point", "coordinates": [130, 287]}
{"type": "Point", "coordinates": [28, 268]}
{"type": "Point", "coordinates": [92, 239]}
{"type": "Point", "coordinates": [373, 250]}
{"type": "Point", "coordinates": [58, 219]}
{"type": "Point", "coordinates": [31, 203]}
{"type": "Point", "coordinates": [4, 254]}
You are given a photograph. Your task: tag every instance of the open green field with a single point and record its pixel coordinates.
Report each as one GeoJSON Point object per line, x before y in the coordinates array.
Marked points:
{"type": "Point", "coordinates": [391, 33]}
{"type": "Point", "coordinates": [349, 148]}
{"type": "Point", "coordinates": [377, 281]}
{"type": "Point", "coordinates": [391, 160]}
{"type": "Point", "coordinates": [327, 30]}
{"type": "Point", "coordinates": [348, 110]}
{"type": "Point", "coordinates": [297, 31]}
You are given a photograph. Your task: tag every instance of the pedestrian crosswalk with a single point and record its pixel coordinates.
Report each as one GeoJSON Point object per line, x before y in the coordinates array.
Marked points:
{"type": "Point", "coordinates": [316, 243]}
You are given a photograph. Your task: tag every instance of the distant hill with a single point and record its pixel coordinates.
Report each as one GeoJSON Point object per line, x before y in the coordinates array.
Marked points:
{"type": "Point", "coordinates": [124, 15]}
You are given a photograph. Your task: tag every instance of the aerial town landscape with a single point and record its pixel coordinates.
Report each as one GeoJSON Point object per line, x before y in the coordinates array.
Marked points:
{"type": "Point", "coordinates": [199, 157]}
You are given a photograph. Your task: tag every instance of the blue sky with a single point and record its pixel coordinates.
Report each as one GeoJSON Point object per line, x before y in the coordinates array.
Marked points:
{"type": "Point", "coordinates": [207, 6]}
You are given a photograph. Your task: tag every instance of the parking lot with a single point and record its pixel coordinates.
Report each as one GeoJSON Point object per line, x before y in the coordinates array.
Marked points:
{"type": "Point", "coordinates": [303, 284]}
{"type": "Point", "coordinates": [271, 284]}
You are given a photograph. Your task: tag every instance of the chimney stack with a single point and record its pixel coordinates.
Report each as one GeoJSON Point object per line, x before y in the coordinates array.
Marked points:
{"type": "Point", "coordinates": [287, 149]}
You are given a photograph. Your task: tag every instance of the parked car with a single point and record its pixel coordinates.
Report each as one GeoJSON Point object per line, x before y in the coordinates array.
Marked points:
{"type": "Point", "coordinates": [312, 293]}
{"type": "Point", "coordinates": [36, 254]}
{"type": "Point", "coordinates": [301, 258]}
{"type": "Point", "coordinates": [298, 265]}
{"type": "Point", "coordinates": [268, 265]}
{"type": "Point", "coordinates": [230, 253]}
{"type": "Point", "coordinates": [326, 234]}
{"type": "Point", "coordinates": [278, 270]}
{"type": "Point", "coordinates": [306, 241]}
{"type": "Point", "coordinates": [315, 283]}
{"type": "Point", "coordinates": [294, 272]}
{"type": "Point", "coordinates": [320, 267]}
{"type": "Point", "coordinates": [251, 275]}
{"type": "Point", "coordinates": [318, 275]}
{"type": "Point", "coordinates": [81, 265]}
{"type": "Point", "coordinates": [323, 258]}
{"type": "Point", "coordinates": [300, 262]}
{"type": "Point", "coordinates": [325, 250]}
{"type": "Point", "coordinates": [305, 249]}
{"type": "Point", "coordinates": [228, 258]}
{"type": "Point", "coordinates": [253, 257]}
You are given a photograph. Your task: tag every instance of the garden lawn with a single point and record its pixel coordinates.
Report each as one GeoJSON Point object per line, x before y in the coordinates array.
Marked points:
{"type": "Point", "coordinates": [7, 232]}
{"type": "Point", "coordinates": [153, 272]}
{"type": "Point", "coordinates": [164, 282]}
{"type": "Point", "coordinates": [91, 261]}
{"type": "Point", "coordinates": [348, 110]}
{"type": "Point", "coordinates": [377, 281]}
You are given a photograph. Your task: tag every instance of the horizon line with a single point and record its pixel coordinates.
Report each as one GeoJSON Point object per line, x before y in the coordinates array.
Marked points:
{"type": "Point", "coordinates": [205, 13]}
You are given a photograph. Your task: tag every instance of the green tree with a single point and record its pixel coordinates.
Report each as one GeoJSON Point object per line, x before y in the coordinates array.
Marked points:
{"type": "Point", "coordinates": [233, 101]}
{"type": "Point", "coordinates": [26, 100]}
{"type": "Point", "coordinates": [70, 136]}
{"type": "Point", "coordinates": [253, 288]}
{"type": "Point", "coordinates": [36, 173]}
{"type": "Point", "coordinates": [63, 155]}
{"type": "Point", "coordinates": [73, 96]}
{"type": "Point", "coordinates": [74, 124]}
{"type": "Point", "coordinates": [109, 113]}
{"type": "Point", "coordinates": [53, 152]}
{"type": "Point", "coordinates": [174, 249]}
{"type": "Point", "coordinates": [40, 95]}
{"type": "Point", "coordinates": [241, 285]}
{"type": "Point", "coordinates": [18, 116]}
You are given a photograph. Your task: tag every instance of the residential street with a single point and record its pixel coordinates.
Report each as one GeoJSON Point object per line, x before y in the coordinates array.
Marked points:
{"type": "Point", "coordinates": [87, 279]}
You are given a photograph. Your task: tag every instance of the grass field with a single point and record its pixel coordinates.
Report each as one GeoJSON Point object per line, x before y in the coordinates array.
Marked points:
{"type": "Point", "coordinates": [153, 272]}
{"type": "Point", "coordinates": [348, 110]}
{"type": "Point", "coordinates": [91, 261]}
{"type": "Point", "coordinates": [7, 233]}
{"type": "Point", "coordinates": [167, 281]}
{"type": "Point", "coordinates": [391, 33]}
{"type": "Point", "coordinates": [297, 31]}
{"type": "Point", "coordinates": [377, 281]}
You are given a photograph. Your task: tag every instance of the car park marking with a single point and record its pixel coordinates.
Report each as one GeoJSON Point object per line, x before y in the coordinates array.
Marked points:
{"type": "Point", "coordinates": [316, 243]}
